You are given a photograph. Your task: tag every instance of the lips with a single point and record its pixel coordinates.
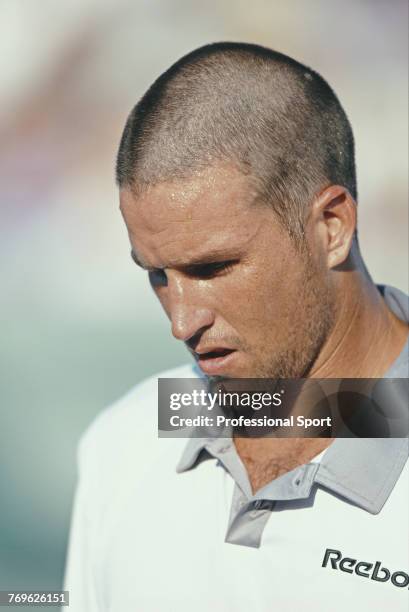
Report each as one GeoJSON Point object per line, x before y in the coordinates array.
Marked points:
{"type": "Point", "coordinates": [218, 352]}
{"type": "Point", "coordinates": [214, 361]}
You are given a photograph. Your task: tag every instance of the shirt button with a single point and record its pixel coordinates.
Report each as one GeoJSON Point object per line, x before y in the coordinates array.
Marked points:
{"type": "Point", "coordinates": [298, 479]}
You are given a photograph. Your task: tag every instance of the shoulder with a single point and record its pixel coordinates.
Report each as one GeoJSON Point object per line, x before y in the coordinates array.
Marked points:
{"type": "Point", "coordinates": [398, 302]}
{"type": "Point", "coordinates": [128, 427]}
{"type": "Point", "coordinates": [121, 448]}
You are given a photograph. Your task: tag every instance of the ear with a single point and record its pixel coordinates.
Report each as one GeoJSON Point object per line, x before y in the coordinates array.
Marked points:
{"type": "Point", "coordinates": [335, 216]}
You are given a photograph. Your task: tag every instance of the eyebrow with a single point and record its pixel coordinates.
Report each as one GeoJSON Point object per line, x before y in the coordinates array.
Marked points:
{"type": "Point", "coordinates": [215, 256]}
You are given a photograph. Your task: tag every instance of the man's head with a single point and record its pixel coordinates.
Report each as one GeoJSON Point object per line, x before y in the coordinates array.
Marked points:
{"type": "Point", "coordinates": [237, 181]}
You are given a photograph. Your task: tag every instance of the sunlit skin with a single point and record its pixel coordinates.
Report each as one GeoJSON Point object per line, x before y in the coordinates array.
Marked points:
{"type": "Point", "coordinates": [232, 280]}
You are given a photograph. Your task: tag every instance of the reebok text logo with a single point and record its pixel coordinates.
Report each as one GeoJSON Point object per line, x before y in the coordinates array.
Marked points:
{"type": "Point", "coordinates": [374, 571]}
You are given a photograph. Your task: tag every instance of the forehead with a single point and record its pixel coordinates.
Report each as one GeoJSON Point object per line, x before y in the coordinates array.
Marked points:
{"type": "Point", "coordinates": [214, 209]}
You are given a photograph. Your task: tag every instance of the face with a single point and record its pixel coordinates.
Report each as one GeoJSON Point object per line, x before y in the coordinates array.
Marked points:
{"type": "Point", "coordinates": [238, 292]}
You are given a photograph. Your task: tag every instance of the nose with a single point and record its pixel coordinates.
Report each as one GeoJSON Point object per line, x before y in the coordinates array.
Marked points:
{"type": "Point", "coordinates": [187, 321]}
{"type": "Point", "coordinates": [187, 314]}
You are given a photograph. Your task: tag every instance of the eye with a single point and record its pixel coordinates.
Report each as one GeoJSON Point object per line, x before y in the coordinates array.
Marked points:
{"type": "Point", "coordinates": [211, 270]}
{"type": "Point", "coordinates": [157, 278]}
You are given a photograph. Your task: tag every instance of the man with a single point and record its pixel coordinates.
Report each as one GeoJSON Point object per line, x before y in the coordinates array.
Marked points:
{"type": "Point", "coordinates": [237, 184]}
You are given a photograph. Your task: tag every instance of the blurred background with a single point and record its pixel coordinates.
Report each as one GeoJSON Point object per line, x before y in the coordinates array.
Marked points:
{"type": "Point", "coordinates": [79, 323]}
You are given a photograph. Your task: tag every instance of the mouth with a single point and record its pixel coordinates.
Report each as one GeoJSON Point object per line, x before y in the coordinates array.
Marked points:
{"type": "Point", "coordinates": [215, 361]}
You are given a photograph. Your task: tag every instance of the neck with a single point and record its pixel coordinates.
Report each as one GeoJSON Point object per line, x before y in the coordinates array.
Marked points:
{"type": "Point", "coordinates": [366, 338]}
{"type": "Point", "coordinates": [266, 459]}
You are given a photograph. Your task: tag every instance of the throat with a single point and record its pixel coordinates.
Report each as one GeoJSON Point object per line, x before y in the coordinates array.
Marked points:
{"type": "Point", "coordinates": [266, 459]}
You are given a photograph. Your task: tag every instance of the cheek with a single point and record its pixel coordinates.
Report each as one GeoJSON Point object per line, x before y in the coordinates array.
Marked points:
{"type": "Point", "coordinates": [246, 303]}
{"type": "Point", "coordinates": [265, 303]}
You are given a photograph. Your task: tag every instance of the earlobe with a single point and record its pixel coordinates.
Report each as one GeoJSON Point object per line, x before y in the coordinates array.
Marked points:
{"type": "Point", "coordinates": [335, 211]}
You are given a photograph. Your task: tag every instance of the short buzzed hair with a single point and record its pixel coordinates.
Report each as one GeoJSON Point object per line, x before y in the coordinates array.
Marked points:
{"type": "Point", "coordinates": [276, 119]}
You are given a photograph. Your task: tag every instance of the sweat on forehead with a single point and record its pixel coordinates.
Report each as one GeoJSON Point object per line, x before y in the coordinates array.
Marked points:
{"type": "Point", "coordinates": [212, 192]}
{"type": "Point", "coordinates": [213, 211]}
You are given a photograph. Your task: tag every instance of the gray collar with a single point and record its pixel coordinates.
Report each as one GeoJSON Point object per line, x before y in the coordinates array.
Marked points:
{"type": "Point", "coordinates": [362, 471]}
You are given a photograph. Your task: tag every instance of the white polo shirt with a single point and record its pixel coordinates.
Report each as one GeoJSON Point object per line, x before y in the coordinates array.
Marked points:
{"type": "Point", "coordinates": [170, 525]}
